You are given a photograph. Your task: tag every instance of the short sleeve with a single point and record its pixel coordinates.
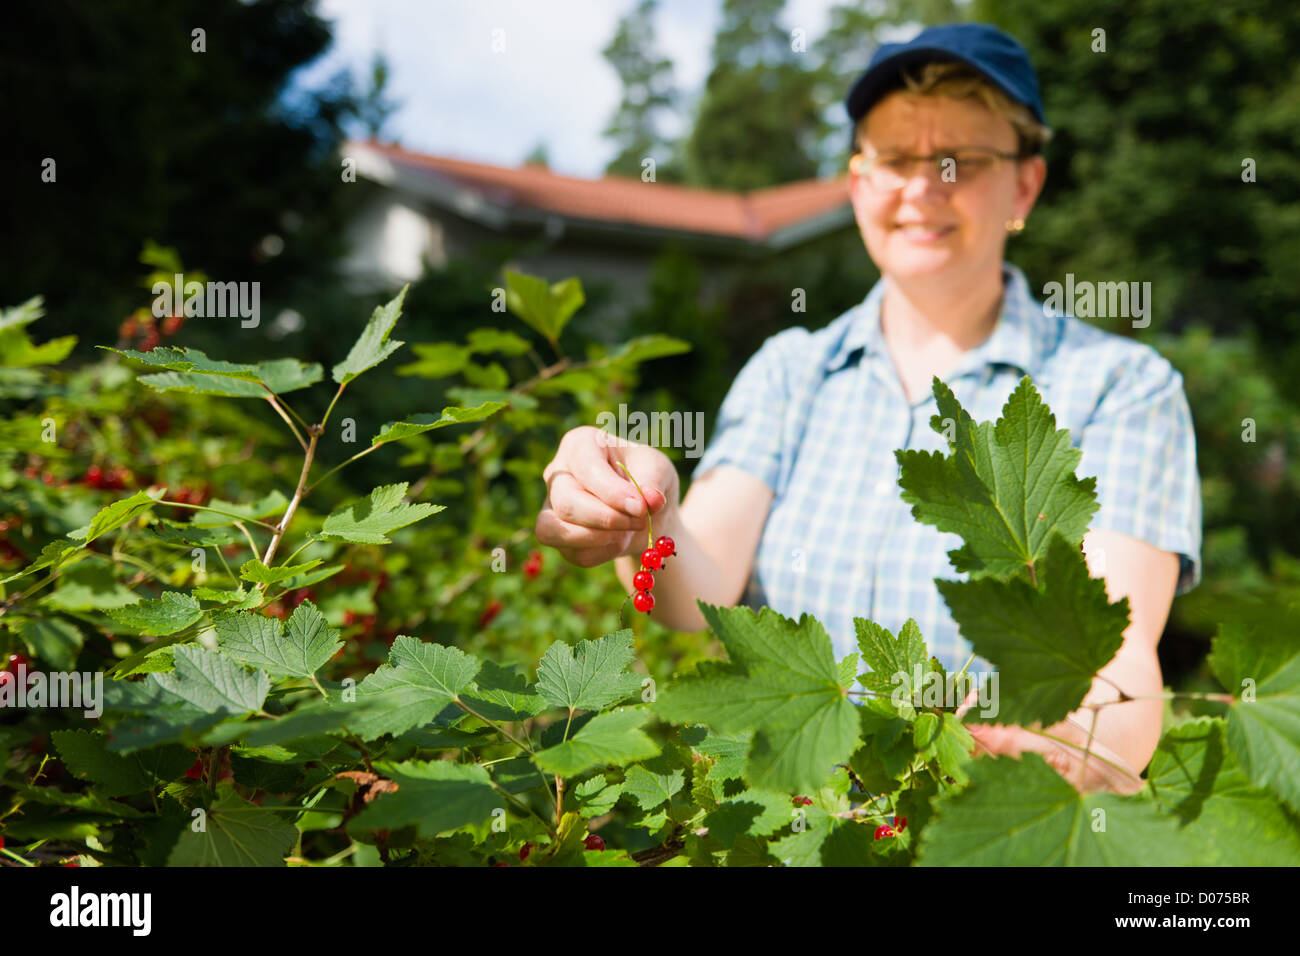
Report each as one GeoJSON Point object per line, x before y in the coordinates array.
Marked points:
{"type": "Point", "coordinates": [1140, 445]}
{"type": "Point", "coordinates": [749, 432]}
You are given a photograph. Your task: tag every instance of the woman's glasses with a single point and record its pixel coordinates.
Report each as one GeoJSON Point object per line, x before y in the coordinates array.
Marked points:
{"type": "Point", "coordinates": [890, 171]}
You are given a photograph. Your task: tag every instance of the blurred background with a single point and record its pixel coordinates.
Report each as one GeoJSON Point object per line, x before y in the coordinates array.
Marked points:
{"type": "Point", "coordinates": [334, 151]}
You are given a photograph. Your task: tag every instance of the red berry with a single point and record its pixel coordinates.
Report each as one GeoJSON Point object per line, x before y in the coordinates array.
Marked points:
{"type": "Point", "coordinates": [195, 772]}
{"type": "Point", "coordinates": [15, 660]}
{"type": "Point", "coordinates": [72, 864]}
{"type": "Point", "coordinates": [150, 341]}
{"type": "Point", "coordinates": [900, 823]}
{"type": "Point", "coordinates": [129, 327]}
{"type": "Point", "coordinates": [47, 477]}
{"type": "Point", "coordinates": [2, 843]}
{"type": "Point", "coordinates": [349, 618]}
{"type": "Point", "coordinates": [488, 615]}
{"type": "Point", "coordinates": [500, 864]}
{"type": "Point", "coordinates": [525, 850]}
{"type": "Point", "coordinates": [665, 546]}
{"type": "Point", "coordinates": [643, 581]}
{"type": "Point", "coordinates": [643, 601]}
{"type": "Point", "coordinates": [651, 559]}
{"type": "Point", "coordinates": [533, 566]}
{"type": "Point", "coordinates": [883, 831]}
{"type": "Point", "coordinates": [594, 842]}
{"type": "Point", "coordinates": [94, 476]}
{"type": "Point", "coordinates": [172, 323]}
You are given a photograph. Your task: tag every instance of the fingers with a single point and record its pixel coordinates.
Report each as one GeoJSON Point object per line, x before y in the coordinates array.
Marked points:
{"type": "Point", "coordinates": [574, 504]}
{"type": "Point", "coordinates": [588, 458]}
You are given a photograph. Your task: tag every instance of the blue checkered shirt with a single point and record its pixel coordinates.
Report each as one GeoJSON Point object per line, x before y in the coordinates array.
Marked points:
{"type": "Point", "coordinates": [817, 416]}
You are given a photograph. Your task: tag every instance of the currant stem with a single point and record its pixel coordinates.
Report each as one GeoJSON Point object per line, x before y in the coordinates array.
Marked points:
{"type": "Point", "coordinates": [650, 528]}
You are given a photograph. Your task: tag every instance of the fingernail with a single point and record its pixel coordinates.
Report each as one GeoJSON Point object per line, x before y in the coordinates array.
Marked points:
{"type": "Point", "coordinates": [633, 505]}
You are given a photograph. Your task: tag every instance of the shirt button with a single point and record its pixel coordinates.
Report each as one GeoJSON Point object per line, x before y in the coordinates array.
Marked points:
{"type": "Point", "coordinates": [884, 487]}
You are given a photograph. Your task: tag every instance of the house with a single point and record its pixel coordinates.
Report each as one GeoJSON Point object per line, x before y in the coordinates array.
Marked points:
{"type": "Point", "coordinates": [432, 208]}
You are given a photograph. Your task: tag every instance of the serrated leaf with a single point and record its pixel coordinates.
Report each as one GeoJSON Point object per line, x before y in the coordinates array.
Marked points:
{"type": "Point", "coordinates": [89, 585]}
{"type": "Point", "coordinates": [610, 739]}
{"type": "Point", "coordinates": [419, 680]}
{"type": "Point", "coordinates": [590, 675]}
{"type": "Point", "coordinates": [1195, 776]}
{"type": "Point", "coordinates": [501, 694]}
{"type": "Point", "coordinates": [436, 360]}
{"type": "Point", "coordinates": [849, 669]}
{"type": "Point", "coordinates": [998, 481]}
{"type": "Point", "coordinates": [643, 348]}
{"type": "Point", "coordinates": [595, 797]}
{"type": "Point", "coordinates": [497, 340]}
{"type": "Point", "coordinates": [52, 555]}
{"type": "Point", "coordinates": [270, 504]}
{"type": "Point", "coordinates": [892, 660]}
{"type": "Point", "coordinates": [1265, 733]}
{"type": "Point", "coordinates": [1048, 641]}
{"type": "Point", "coordinates": [258, 573]}
{"type": "Point", "coordinates": [50, 639]}
{"type": "Point", "coordinates": [784, 684]}
{"type": "Point", "coordinates": [650, 790]}
{"type": "Point", "coordinates": [435, 796]}
{"type": "Point", "coordinates": [1023, 813]}
{"type": "Point", "coordinates": [306, 644]}
{"type": "Point", "coordinates": [173, 611]}
{"type": "Point", "coordinates": [373, 346]}
{"type": "Point", "coordinates": [370, 520]}
{"type": "Point", "coordinates": [236, 833]}
{"type": "Point", "coordinates": [87, 757]}
{"type": "Point", "coordinates": [825, 841]}
{"type": "Point", "coordinates": [117, 514]}
{"type": "Point", "coordinates": [211, 683]}
{"type": "Point", "coordinates": [279, 376]}
{"type": "Point", "coordinates": [754, 812]}
{"type": "Point", "coordinates": [426, 421]}
{"type": "Point", "coordinates": [544, 307]}
{"type": "Point", "coordinates": [1254, 640]}
{"type": "Point", "coordinates": [479, 396]}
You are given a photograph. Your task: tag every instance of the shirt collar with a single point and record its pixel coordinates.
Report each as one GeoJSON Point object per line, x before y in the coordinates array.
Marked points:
{"type": "Point", "coordinates": [1020, 339]}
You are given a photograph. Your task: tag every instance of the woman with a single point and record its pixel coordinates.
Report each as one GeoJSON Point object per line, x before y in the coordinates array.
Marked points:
{"type": "Point", "coordinates": [795, 503]}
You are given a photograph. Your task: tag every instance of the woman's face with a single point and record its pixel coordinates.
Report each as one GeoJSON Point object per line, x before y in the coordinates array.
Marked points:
{"type": "Point", "coordinates": [952, 232]}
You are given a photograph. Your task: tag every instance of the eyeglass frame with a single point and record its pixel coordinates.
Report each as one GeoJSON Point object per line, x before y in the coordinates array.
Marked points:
{"type": "Point", "coordinates": [857, 160]}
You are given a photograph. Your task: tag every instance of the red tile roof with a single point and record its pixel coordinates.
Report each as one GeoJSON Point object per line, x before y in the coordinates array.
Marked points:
{"type": "Point", "coordinates": [752, 216]}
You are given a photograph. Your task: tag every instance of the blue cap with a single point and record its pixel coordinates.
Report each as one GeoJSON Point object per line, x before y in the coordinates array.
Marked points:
{"type": "Point", "coordinates": [995, 54]}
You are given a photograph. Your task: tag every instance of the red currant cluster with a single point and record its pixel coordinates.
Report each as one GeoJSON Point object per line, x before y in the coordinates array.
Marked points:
{"type": "Point", "coordinates": [885, 830]}
{"type": "Point", "coordinates": [652, 559]}
{"type": "Point", "coordinates": [141, 329]}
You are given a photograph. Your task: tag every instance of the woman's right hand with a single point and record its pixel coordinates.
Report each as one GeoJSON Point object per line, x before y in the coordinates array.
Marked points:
{"type": "Point", "coordinates": [593, 513]}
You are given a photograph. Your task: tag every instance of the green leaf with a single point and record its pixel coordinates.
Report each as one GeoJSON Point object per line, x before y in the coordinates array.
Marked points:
{"type": "Point", "coordinates": [419, 680]}
{"type": "Point", "coordinates": [270, 504]}
{"type": "Point", "coordinates": [173, 611]}
{"type": "Point", "coordinates": [279, 376]}
{"type": "Point", "coordinates": [437, 360]}
{"type": "Point", "coordinates": [545, 308]}
{"type": "Point", "coordinates": [591, 675]}
{"type": "Point", "coordinates": [1047, 641]}
{"type": "Point", "coordinates": [52, 556]}
{"type": "Point", "coordinates": [255, 571]}
{"type": "Point", "coordinates": [501, 694]}
{"type": "Point", "coordinates": [643, 348]}
{"type": "Point", "coordinates": [187, 360]}
{"type": "Point", "coordinates": [826, 840]}
{"type": "Point", "coordinates": [609, 739]}
{"type": "Point", "coordinates": [309, 721]}
{"type": "Point", "coordinates": [849, 669]}
{"type": "Point", "coordinates": [435, 796]}
{"type": "Point", "coordinates": [1023, 813]}
{"type": "Point", "coordinates": [650, 790]}
{"type": "Point", "coordinates": [497, 340]}
{"type": "Point", "coordinates": [254, 639]}
{"type": "Point", "coordinates": [369, 521]}
{"type": "Point", "coordinates": [419, 424]}
{"type": "Point", "coordinates": [889, 656]}
{"type": "Point", "coordinates": [1007, 488]}
{"type": "Point", "coordinates": [784, 684]}
{"type": "Point", "coordinates": [1193, 775]}
{"type": "Point", "coordinates": [89, 585]}
{"type": "Point", "coordinates": [117, 514]}
{"type": "Point", "coordinates": [952, 750]}
{"type": "Point", "coordinates": [1265, 733]}
{"type": "Point", "coordinates": [214, 684]}
{"type": "Point", "coordinates": [1255, 639]}
{"type": "Point", "coordinates": [754, 812]}
{"type": "Point", "coordinates": [479, 396]}
{"type": "Point", "coordinates": [50, 639]}
{"type": "Point", "coordinates": [236, 833]}
{"type": "Point", "coordinates": [374, 345]}
{"type": "Point", "coordinates": [87, 757]}
{"type": "Point", "coordinates": [595, 796]}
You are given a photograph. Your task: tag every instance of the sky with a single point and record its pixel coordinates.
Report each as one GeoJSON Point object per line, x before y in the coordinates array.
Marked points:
{"type": "Point", "coordinates": [550, 84]}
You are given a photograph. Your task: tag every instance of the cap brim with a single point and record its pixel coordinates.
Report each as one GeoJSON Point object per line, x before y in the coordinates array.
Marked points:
{"type": "Point", "coordinates": [884, 77]}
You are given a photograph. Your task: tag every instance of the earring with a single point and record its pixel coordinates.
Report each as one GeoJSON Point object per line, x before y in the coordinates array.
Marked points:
{"type": "Point", "coordinates": [1015, 226]}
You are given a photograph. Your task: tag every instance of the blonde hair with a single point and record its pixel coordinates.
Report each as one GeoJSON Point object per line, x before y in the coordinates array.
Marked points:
{"type": "Point", "coordinates": [959, 81]}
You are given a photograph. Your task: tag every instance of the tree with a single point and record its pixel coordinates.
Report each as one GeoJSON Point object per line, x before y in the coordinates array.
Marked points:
{"type": "Point", "coordinates": [758, 123]}
{"type": "Point", "coordinates": [647, 93]}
